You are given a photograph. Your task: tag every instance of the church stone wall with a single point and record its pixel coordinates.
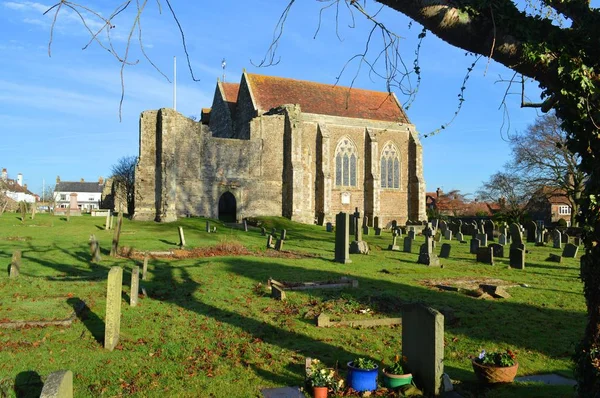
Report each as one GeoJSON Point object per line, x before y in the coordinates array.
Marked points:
{"type": "Point", "coordinates": [221, 122]}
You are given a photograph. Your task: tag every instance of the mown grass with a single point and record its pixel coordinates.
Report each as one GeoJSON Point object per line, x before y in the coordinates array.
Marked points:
{"type": "Point", "coordinates": [209, 328]}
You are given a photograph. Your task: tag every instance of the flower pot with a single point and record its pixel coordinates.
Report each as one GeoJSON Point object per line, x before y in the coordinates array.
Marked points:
{"type": "Point", "coordinates": [391, 380]}
{"type": "Point", "coordinates": [320, 392]}
{"type": "Point", "coordinates": [362, 379]}
{"type": "Point", "coordinates": [494, 374]}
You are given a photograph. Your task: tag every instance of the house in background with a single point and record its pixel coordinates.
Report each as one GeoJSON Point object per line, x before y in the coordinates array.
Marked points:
{"type": "Point", "coordinates": [89, 194]}
{"type": "Point", "coordinates": [15, 189]}
{"type": "Point", "coordinates": [454, 204]}
{"type": "Point", "coordinates": [549, 205]}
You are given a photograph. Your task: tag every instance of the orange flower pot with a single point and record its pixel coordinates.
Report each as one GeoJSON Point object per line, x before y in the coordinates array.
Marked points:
{"type": "Point", "coordinates": [320, 392]}
{"type": "Point", "coordinates": [495, 374]}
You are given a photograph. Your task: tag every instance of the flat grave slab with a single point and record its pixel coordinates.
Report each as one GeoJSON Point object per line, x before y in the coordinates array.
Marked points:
{"type": "Point", "coordinates": [550, 379]}
{"type": "Point", "coordinates": [332, 284]}
{"type": "Point", "coordinates": [323, 321]}
{"type": "Point", "coordinates": [282, 392]}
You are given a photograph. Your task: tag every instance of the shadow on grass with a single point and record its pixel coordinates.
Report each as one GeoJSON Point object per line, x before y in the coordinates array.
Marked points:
{"type": "Point", "coordinates": [90, 320]}
{"type": "Point", "coordinates": [28, 384]}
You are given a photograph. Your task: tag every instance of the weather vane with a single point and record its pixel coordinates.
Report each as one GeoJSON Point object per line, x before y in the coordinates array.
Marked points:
{"type": "Point", "coordinates": [223, 65]}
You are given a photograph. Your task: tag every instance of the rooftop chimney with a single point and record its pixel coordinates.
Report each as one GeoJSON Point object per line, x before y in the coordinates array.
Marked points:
{"type": "Point", "coordinates": [20, 179]}
{"type": "Point", "coordinates": [4, 175]}
{"type": "Point", "coordinates": [100, 180]}
{"type": "Point", "coordinates": [438, 192]}
{"type": "Point", "coordinates": [57, 179]}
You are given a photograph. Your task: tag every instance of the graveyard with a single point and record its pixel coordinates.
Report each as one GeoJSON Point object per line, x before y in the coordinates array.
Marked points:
{"type": "Point", "coordinates": [218, 313]}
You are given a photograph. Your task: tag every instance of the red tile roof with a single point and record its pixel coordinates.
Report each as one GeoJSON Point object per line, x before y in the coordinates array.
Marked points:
{"type": "Point", "coordinates": [231, 91]}
{"type": "Point", "coordinates": [270, 92]}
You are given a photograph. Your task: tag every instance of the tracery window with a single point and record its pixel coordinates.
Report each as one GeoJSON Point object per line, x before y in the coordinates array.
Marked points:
{"type": "Point", "coordinates": [346, 163]}
{"type": "Point", "coordinates": [390, 167]}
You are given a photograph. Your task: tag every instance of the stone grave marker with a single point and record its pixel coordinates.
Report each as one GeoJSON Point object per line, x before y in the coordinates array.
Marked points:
{"type": "Point", "coordinates": [557, 239]}
{"type": "Point", "coordinates": [460, 237]}
{"type": "Point", "coordinates": [407, 245]}
{"type": "Point", "coordinates": [412, 234]}
{"type": "Point", "coordinates": [59, 384]}
{"type": "Point", "coordinates": [279, 245]}
{"type": "Point", "coordinates": [517, 258]}
{"type": "Point", "coordinates": [448, 234]}
{"type": "Point", "coordinates": [485, 255]}
{"type": "Point", "coordinates": [516, 238]}
{"type": "Point", "coordinates": [426, 255]}
{"type": "Point", "coordinates": [531, 228]}
{"type": "Point", "coordinates": [394, 246]}
{"type": "Point", "coordinates": [270, 242]}
{"type": "Point", "coordinates": [342, 254]}
{"type": "Point", "coordinates": [274, 232]}
{"type": "Point", "coordinates": [474, 247]}
{"type": "Point", "coordinates": [554, 258]}
{"type": "Point", "coordinates": [497, 249]}
{"type": "Point", "coordinates": [576, 240]}
{"type": "Point", "coordinates": [181, 237]}
{"type": "Point", "coordinates": [483, 239]}
{"type": "Point", "coordinates": [394, 224]}
{"type": "Point", "coordinates": [329, 227]}
{"type": "Point", "coordinates": [351, 225]}
{"type": "Point", "coordinates": [15, 264]}
{"type": "Point", "coordinates": [488, 227]}
{"type": "Point", "coordinates": [208, 227]}
{"type": "Point", "coordinates": [358, 229]}
{"type": "Point", "coordinates": [365, 229]}
{"type": "Point", "coordinates": [116, 236]}
{"type": "Point", "coordinates": [113, 308]}
{"type": "Point", "coordinates": [95, 249]}
{"type": "Point", "coordinates": [263, 231]}
{"type": "Point", "coordinates": [377, 231]}
{"type": "Point", "coordinates": [502, 239]}
{"type": "Point", "coordinates": [145, 268]}
{"type": "Point", "coordinates": [277, 293]}
{"type": "Point", "coordinates": [107, 221]}
{"type": "Point", "coordinates": [245, 225]}
{"type": "Point", "coordinates": [565, 238]}
{"type": "Point", "coordinates": [445, 251]}
{"type": "Point", "coordinates": [135, 286]}
{"type": "Point", "coordinates": [423, 346]}
{"type": "Point", "coordinates": [570, 250]}
{"type": "Point", "coordinates": [283, 234]}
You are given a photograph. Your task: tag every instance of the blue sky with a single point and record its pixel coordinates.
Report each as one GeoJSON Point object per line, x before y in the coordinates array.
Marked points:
{"type": "Point", "coordinates": [60, 114]}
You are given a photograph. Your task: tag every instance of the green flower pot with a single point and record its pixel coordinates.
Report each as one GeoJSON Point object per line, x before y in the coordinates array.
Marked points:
{"type": "Point", "coordinates": [395, 381]}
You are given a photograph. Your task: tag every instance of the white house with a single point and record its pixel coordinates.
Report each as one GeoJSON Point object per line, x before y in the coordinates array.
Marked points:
{"type": "Point", "coordinates": [15, 189]}
{"type": "Point", "coordinates": [89, 194]}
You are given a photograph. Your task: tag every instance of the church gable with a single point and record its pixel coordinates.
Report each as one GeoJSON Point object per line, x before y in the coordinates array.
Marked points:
{"type": "Point", "coordinates": [270, 92]}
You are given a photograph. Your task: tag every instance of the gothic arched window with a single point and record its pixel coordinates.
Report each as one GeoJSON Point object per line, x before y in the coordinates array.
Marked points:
{"type": "Point", "coordinates": [346, 163]}
{"type": "Point", "coordinates": [390, 167]}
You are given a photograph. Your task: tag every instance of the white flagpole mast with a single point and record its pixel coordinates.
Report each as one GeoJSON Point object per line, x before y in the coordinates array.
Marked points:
{"type": "Point", "coordinates": [174, 83]}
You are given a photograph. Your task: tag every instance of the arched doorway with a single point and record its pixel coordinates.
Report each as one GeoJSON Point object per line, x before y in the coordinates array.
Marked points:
{"type": "Point", "coordinates": [227, 206]}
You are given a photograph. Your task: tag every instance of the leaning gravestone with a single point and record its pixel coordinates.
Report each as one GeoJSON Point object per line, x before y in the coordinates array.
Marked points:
{"type": "Point", "coordinates": [412, 234]}
{"type": "Point", "coordinates": [181, 237]}
{"type": "Point", "coordinates": [517, 258]}
{"type": "Point", "coordinates": [15, 264]}
{"type": "Point", "coordinates": [270, 242]}
{"type": "Point", "coordinates": [116, 236]}
{"type": "Point", "coordinates": [423, 346]}
{"type": "Point", "coordinates": [342, 254]}
{"type": "Point", "coordinates": [59, 384]}
{"type": "Point", "coordinates": [283, 234]}
{"type": "Point", "coordinates": [570, 251]}
{"type": "Point", "coordinates": [394, 246]}
{"type": "Point", "coordinates": [279, 245]}
{"type": "Point", "coordinates": [557, 239]}
{"type": "Point", "coordinates": [135, 286]}
{"type": "Point", "coordinates": [497, 249]}
{"type": "Point", "coordinates": [445, 251]}
{"type": "Point", "coordinates": [145, 268]}
{"type": "Point", "coordinates": [516, 238]}
{"type": "Point", "coordinates": [113, 308]}
{"type": "Point", "coordinates": [95, 249]}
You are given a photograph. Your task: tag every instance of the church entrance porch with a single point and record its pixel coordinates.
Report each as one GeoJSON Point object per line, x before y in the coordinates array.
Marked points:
{"type": "Point", "coordinates": [227, 207]}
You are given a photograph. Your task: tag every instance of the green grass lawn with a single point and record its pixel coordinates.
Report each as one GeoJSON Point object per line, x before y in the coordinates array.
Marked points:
{"type": "Point", "coordinates": [209, 328]}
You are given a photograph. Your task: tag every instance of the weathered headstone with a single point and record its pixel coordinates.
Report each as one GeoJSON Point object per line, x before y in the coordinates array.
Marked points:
{"type": "Point", "coordinates": [208, 227]}
{"type": "Point", "coordinates": [283, 234]}
{"type": "Point", "coordinates": [376, 222]}
{"type": "Point", "coordinates": [263, 231]}
{"type": "Point", "coordinates": [181, 237]}
{"type": "Point", "coordinates": [145, 268]}
{"type": "Point", "coordinates": [329, 227]}
{"type": "Point", "coordinates": [412, 234]}
{"type": "Point", "coordinates": [426, 255]}
{"type": "Point", "coordinates": [570, 250]}
{"type": "Point", "coordinates": [135, 286]}
{"type": "Point", "coordinates": [448, 234]}
{"type": "Point", "coordinates": [445, 251]}
{"type": "Point", "coordinates": [351, 224]}
{"type": "Point", "coordinates": [365, 230]}
{"type": "Point", "coordinates": [107, 222]}
{"type": "Point", "coordinates": [531, 228]}
{"type": "Point", "coordinates": [555, 258]}
{"type": "Point", "coordinates": [358, 230]}
{"type": "Point", "coordinates": [407, 245]}
{"type": "Point", "coordinates": [423, 346]}
{"type": "Point", "coordinates": [497, 249]}
{"type": "Point", "coordinates": [474, 247]}
{"type": "Point", "coordinates": [279, 244]}
{"type": "Point", "coordinates": [245, 225]}
{"type": "Point", "coordinates": [277, 293]}
{"type": "Point", "coordinates": [377, 231]}
{"type": "Point", "coordinates": [270, 242]}
{"type": "Point", "coordinates": [394, 246]}
{"type": "Point", "coordinates": [502, 239]}
{"type": "Point", "coordinates": [485, 255]}
{"type": "Point", "coordinates": [565, 238]}
{"type": "Point", "coordinates": [483, 239]}
{"type": "Point", "coordinates": [116, 236]}
{"type": "Point", "coordinates": [15, 264]}
{"type": "Point", "coordinates": [516, 238]}
{"type": "Point", "coordinates": [274, 232]}
{"type": "Point", "coordinates": [342, 243]}
{"type": "Point", "coordinates": [517, 258]}
{"type": "Point", "coordinates": [488, 227]}
{"type": "Point", "coordinates": [113, 308]}
{"type": "Point", "coordinates": [59, 384]}
{"type": "Point", "coordinates": [460, 237]}
{"type": "Point", "coordinates": [557, 239]}
{"type": "Point", "coordinates": [95, 249]}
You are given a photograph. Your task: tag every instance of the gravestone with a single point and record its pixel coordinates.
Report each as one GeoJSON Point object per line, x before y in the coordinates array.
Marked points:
{"type": "Point", "coordinates": [443, 226]}
{"type": "Point", "coordinates": [423, 346]}
{"type": "Point", "coordinates": [377, 231]}
{"type": "Point", "coordinates": [570, 250]}
{"type": "Point", "coordinates": [426, 255]}
{"type": "Point", "coordinates": [448, 234]}
{"type": "Point", "coordinates": [342, 254]}
{"type": "Point", "coordinates": [394, 246]}
{"type": "Point", "coordinates": [516, 238]}
{"type": "Point", "coordinates": [274, 232]}
{"type": "Point", "coordinates": [15, 264]}
{"type": "Point", "coordinates": [279, 245]}
{"type": "Point", "coordinates": [135, 286]}
{"type": "Point", "coordinates": [412, 234]}
{"type": "Point", "coordinates": [329, 227]}
{"type": "Point", "coordinates": [445, 251]}
{"type": "Point", "coordinates": [283, 234]}
{"type": "Point", "coordinates": [488, 227]}
{"type": "Point", "coordinates": [357, 229]}
{"type": "Point", "coordinates": [116, 236]}
{"type": "Point", "coordinates": [376, 223]}
{"type": "Point", "coordinates": [485, 255]}
{"type": "Point", "coordinates": [245, 222]}
{"type": "Point", "coordinates": [531, 228]}
{"type": "Point", "coordinates": [554, 258]}
{"type": "Point", "coordinates": [502, 239]}
{"type": "Point", "coordinates": [394, 224]}
{"type": "Point", "coordinates": [277, 293]}
{"type": "Point", "coordinates": [365, 230]}
{"type": "Point", "coordinates": [113, 308]}
{"type": "Point", "coordinates": [557, 239]}
{"type": "Point", "coordinates": [407, 245]}
{"type": "Point", "coordinates": [497, 249]}
{"type": "Point", "coordinates": [181, 237]}
{"type": "Point", "coordinates": [59, 384]}
{"type": "Point", "coordinates": [95, 249]}
{"type": "Point", "coordinates": [107, 222]}
{"type": "Point", "coordinates": [270, 242]}
{"type": "Point", "coordinates": [351, 224]}
{"type": "Point", "coordinates": [208, 227]}
{"type": "Point", "coordinates": [263, 231]}
{"type": "Point", "coordinates": [145, 268]}
{"type": "Point", "coordinates": [474, 247]}
{"type": "Point", "coordinates": [576, 240]}
{"type": "Point", "coordinates": [459, 236]}
{"type": "Point", "coordinates": [483, 239]}
{"type": "Point", "coordinates": [565, 238]}
{"type": "Point", "coordinates": [517, 258]}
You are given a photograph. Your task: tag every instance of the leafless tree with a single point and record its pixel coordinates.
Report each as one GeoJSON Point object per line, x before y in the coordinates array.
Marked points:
{"type": "Point", "coordinates": [123, 178]}
{"type": "Point", "coordinates": [509, 191]}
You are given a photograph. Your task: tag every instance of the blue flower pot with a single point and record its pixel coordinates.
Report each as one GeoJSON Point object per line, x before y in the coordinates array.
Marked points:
{"type": "Point", "coordinates": [362, 379]}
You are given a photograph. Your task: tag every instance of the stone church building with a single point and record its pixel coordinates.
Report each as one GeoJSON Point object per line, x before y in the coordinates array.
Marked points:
{"type": "Point", "coordinates": [273, 146]}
